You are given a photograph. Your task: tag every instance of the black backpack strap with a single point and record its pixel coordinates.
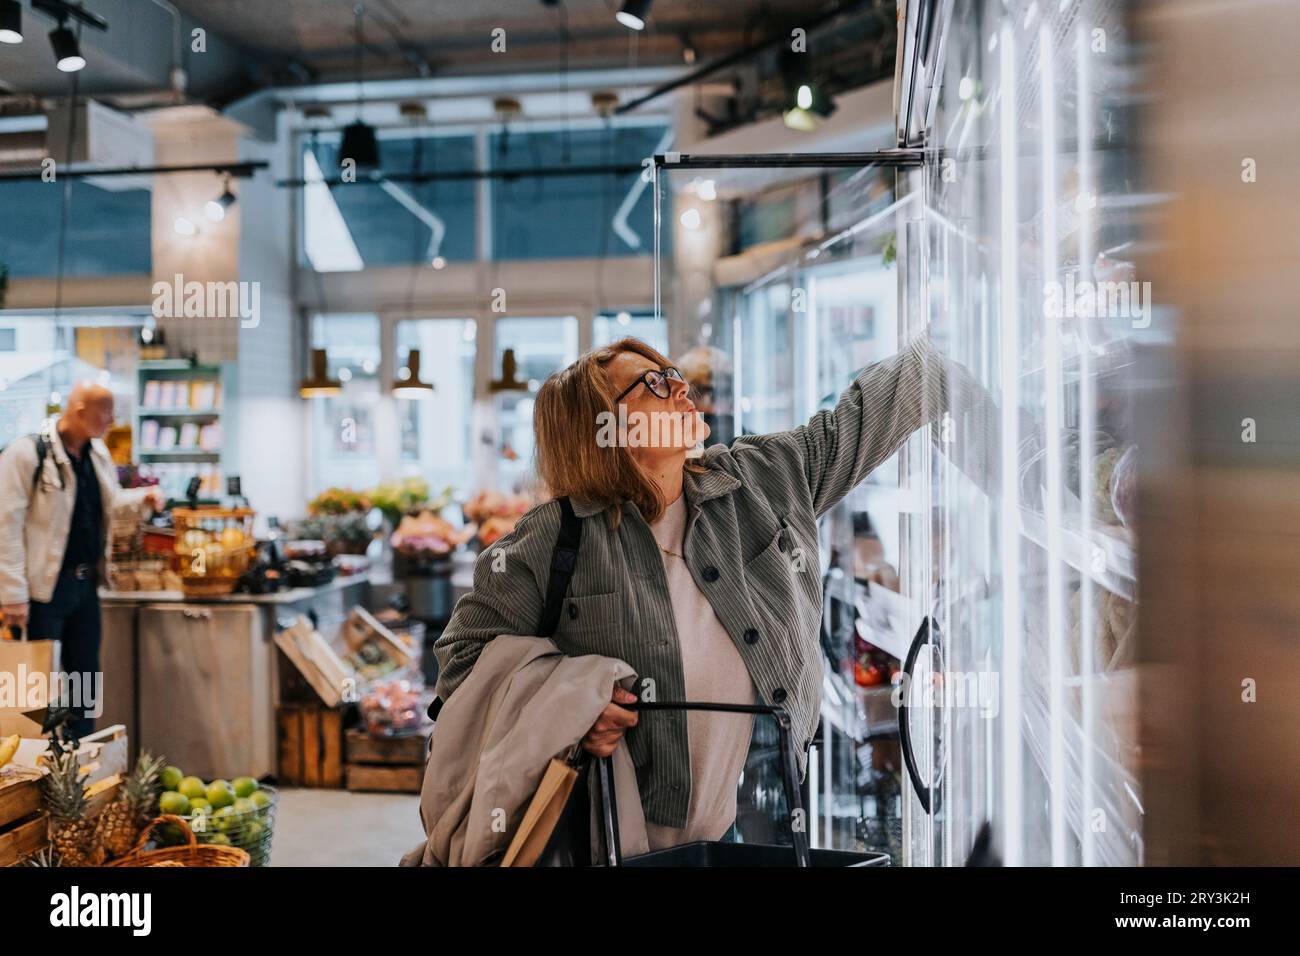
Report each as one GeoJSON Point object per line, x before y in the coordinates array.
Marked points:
{"type": "Point", "coordinates": [564, 559]}
{"type": "Point", "coordinates": [42, 452]}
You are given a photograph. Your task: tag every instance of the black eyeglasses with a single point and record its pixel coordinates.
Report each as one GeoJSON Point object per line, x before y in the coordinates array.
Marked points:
{"type": "Point", "coordinates": [658, 382]}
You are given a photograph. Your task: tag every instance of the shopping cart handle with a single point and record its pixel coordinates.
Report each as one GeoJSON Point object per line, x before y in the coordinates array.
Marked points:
{"type": "Point", "coordinates": [789, 774]}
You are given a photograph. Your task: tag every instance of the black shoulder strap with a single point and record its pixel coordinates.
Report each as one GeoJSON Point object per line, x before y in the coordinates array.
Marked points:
{"type": "Point", "coordinates": [42, 450]}
{"type": "Point", "coordinates": [564, 558]}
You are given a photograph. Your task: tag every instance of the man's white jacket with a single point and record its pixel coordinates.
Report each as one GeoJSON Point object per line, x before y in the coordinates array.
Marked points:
{"type": "Point", "coordinates": [34, 522]}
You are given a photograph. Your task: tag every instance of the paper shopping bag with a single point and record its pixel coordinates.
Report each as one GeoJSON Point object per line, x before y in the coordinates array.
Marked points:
{"type": "Point", "coordinates": [542, 815]}
{"type": "Point", "coordinates": [25, 674]}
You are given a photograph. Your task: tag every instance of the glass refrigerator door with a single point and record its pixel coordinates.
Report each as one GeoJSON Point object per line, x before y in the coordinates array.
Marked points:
{"type": "Point", "coordinates": [1020, 267]}
{"type": "Point", "coordinates": [794, 268]}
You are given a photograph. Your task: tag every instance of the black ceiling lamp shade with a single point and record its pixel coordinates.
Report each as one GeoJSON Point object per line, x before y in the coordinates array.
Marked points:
{"type": "Point", "coordinates": [360, 145]}
{"type": "Point", "coordinates": [634, 13]}
{"type": "Point", "coordinates": [67, 52]}
{"type": "Point", "coordinates": [11, 21]}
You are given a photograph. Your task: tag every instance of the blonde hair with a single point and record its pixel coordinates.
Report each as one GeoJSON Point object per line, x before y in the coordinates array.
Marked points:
{"type": "Point", "coordinates": [570, 461]}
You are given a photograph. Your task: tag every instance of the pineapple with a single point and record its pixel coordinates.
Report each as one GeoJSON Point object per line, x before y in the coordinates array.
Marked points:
{"type": "Point", "coordinates": [72, 836]}
{"type": "Point", "coordinates": [120, 824]}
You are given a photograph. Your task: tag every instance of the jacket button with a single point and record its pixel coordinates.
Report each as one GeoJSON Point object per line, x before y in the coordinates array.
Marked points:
{"type": "Point", "coordinates": [751, 636]}
{"type": "Point", "coordinates": [573, 610]}
{"type": "Point", "coordinates": [711, 574]}
{"type": "Point", "coordinates": [779, 695]}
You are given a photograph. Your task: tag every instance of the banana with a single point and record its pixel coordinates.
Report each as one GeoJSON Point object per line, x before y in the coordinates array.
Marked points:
{"type": "Point", "coordinates": [8, 748]}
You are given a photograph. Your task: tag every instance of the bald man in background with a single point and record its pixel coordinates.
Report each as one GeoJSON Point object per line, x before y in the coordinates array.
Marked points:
{"type": "Point", "coordinates": [58, 492]}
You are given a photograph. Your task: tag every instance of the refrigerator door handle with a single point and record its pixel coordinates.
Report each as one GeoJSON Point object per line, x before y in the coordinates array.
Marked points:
{"type": "Point", "coordinates": [923, 792]}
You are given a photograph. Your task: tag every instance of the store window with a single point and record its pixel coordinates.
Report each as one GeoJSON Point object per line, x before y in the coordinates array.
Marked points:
{"type": "Point", "coordinates": [345, 426]}
{"type": "Point", "coordinates": [435, 430]}
{"type": "Point", "coordinates": [108, 230]}
{"type": "Point", "coordinates": [48, 355]}
{"type": "Point", "coordinates": [610, 327]}
{"type": "Point", "coordinates": [578, 216]}
{"type": "Point", "coordinates": [396, 220]}
{"type": "Point", "coordinates": [540, 347]}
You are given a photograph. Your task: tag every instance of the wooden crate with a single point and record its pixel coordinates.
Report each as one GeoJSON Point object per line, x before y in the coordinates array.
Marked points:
{"type": "Point", "coordinates": [310, 748]}
{"type": "Point", "coordinates": [387, 764]}
{"type": "Point", "coordinates": [24, 824]}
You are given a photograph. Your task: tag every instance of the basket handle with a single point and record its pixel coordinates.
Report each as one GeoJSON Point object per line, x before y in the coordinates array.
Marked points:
{"type": "Point", "coordinates": [163, 818]}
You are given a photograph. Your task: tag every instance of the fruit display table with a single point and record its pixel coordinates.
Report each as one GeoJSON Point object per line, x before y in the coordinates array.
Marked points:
{"type": "Point", "coordinates": [197, 679]}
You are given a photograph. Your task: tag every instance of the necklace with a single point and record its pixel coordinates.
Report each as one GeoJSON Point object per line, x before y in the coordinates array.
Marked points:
{"type": "Point", "coordinates": [673, 553]}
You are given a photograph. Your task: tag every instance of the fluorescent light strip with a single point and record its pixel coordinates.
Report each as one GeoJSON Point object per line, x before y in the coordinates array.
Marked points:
{"type": "Point", "coordinates": [1009, 371]}
{"type": "Point", "coordinates": [1052, 366]}
{"type": "Point", "coordinates": [1087, 441]}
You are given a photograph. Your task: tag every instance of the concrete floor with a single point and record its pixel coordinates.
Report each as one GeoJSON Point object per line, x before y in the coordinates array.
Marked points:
{"type": "Point", "coordinates": [339, 828]}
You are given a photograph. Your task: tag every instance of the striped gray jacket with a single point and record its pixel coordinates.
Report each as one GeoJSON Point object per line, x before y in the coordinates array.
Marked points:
{"type": "Point", "coordinates": [751, 545]}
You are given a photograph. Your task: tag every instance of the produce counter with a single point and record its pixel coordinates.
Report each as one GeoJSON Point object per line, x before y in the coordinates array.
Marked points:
{"type": "Point", "coordinates": [197, 678]}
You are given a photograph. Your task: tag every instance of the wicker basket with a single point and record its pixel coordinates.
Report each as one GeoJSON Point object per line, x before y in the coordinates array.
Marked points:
{"type": "Point", "coordinates": [192, 853]}
{"type": "Point", "coordinates": [214, 547]}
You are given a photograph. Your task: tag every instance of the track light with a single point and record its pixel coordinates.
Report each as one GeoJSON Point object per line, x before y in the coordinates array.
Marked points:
{"type": "Point", "coordinates": [11, 21]}
{"type": "Point", "coordinates": [408, 384]}
{"type": "Point", "coordinates": [634, 14]}
{"type": "Point", "coordinates": [319, 384]}
{"type": "Point", "coordinates": [67, 52]}
{"type": "Point", "coordinates": [215, 209]}
{"type": "Point", "coordinates": [804, 97]}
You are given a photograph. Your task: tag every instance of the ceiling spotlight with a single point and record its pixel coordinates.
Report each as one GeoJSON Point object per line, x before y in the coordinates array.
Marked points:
{"type": "Point", "coordinates": [408, 384]}
{"type": "Point", "coordinates": [803, 95]}
{"type": "Point", "coordinates": [11, 21]}
{"type": "Point", "coordinates": [634, 13]}
{"type": "Point", "coordinates": [624, 318]}
{"type": "Point", "coordinates": [67, 52]}
{"type": "Point", "coordinates": [215, 209]}
{"type": "Point", "coordinates": [691, 218]}
{"type": "Point", "coordinates": [439, 262]}
{"type": "Point", "coordinates": [707, 190]}
{"type": "Point", "coordinates": [319, 384]}
{"type": "Point", "coordinates": [184, 227]}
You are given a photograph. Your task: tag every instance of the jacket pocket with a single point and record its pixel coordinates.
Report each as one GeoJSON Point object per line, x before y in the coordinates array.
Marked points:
{"type": "Point", "coordinates": [590, 624]}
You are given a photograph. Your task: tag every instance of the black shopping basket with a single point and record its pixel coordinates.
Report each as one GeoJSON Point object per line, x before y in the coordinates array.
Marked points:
{"type": "Point", "coordinates": [717, 853]}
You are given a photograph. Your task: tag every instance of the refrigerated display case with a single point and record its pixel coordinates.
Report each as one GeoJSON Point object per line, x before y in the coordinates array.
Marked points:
{"type": "Point", "coordinates": [993, 558]}
{"type": "Point", "coordinates": [1022, 260]}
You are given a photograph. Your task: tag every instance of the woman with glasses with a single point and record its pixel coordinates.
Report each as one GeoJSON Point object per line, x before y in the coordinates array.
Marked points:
{"type": "Point", "coordinates": [700, 572]}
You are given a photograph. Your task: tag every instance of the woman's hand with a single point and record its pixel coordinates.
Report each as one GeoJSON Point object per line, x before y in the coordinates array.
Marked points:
{"type": "Point", "coordinates": [602, 740]}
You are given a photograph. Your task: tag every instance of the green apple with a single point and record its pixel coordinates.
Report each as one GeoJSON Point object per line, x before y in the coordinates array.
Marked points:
{"type": "Point", "coordinates": [261, 798]}
{"type": "Point", "coordinates": [244, 786]}
{"type": "Point", "coordinates": [171, 778]}
{"type": "Point", "coordinates": [173, 802]}
{"type": "Point", "coordinates": [220, 793]}
{"type": "Point", "coordinates": [192, 787]}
